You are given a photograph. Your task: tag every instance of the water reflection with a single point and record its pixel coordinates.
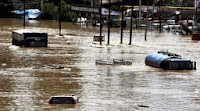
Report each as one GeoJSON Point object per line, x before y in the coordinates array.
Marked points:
{"type": "Point", "coordinates": [99, 87]}
{"type": "Point", "coordinates": [23, 95]}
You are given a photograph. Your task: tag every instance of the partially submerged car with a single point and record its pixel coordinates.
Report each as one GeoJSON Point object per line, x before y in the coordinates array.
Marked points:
{"type": "Point", "coordinates": [63, 100]}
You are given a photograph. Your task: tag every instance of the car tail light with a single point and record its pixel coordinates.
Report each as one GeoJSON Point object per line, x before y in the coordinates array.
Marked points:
{"type": "Point", "coordinates": [74, 101]}
{"type": "Point", "coordinates": [49, 101]}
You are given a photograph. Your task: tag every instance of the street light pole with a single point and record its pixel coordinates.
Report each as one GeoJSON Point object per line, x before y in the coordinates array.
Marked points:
{"type": "Point", "coordinates": [100, 11]}
{"type": "Point", "coordinates": [145, 38]}
{"type": "Point", "coordinates": [122, 22]}
{"type": "Point", "coordinates": [131, 28]}
{"type": "Point", "coordinates": [92, 15]}
{"type": "Point", "coordinates": [60, 18]}
{"type": "Point", "coordinates": [140, 2]}
{"type": "Point", "coordinates": [24, 14]}
{"type": "Point", "coordinates": [109, 22]}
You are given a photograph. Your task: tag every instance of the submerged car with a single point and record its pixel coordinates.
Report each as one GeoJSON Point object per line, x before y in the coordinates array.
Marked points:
{"type": "Point", "coordinates": [63, 100]}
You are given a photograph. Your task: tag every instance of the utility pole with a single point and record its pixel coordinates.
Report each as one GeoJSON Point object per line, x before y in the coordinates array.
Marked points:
{"type": "Point", "coordinates": [140, 2]}
{"type": "Point", "coordinates": [109, 22]}
{"type": "Point", "coordinates": [160, 22]}
{"type": "Point", "coordinates": [146, 20]}
{"type": "Point", "coordinates": [100, 11]}
{"type": "Point", "coordinates": [59, 17]}
{"type": "Point", "coordinates": [122, 22]}
{"type": "Point", "coordinates": [160, 27]}
{"type": "Point", "coordinates": [24, 14]}
{"type": "Point", "coordinates": [153, 13]}
{"type": "Point", "coordinates": [92, 15]}
{"type": "Point", "coordinates": [131, 28]}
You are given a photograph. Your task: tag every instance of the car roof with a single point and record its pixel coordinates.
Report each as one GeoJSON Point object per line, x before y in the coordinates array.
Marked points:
{"type": "Point", "coordinates": [63, 97]}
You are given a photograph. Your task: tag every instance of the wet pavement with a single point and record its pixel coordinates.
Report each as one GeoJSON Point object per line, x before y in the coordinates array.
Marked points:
{"type": "Point", "coordinates": [134, 87]}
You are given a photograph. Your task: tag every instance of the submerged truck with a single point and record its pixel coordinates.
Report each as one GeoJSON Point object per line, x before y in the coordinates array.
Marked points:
{"type": "Point", "coordinates": [170, 61]}
{"type": "Point", "coordinates": [28, 38]}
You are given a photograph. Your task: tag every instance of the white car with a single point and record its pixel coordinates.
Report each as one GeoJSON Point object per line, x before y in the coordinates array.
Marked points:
{"type": "Point", "coordinates": [63, 100]}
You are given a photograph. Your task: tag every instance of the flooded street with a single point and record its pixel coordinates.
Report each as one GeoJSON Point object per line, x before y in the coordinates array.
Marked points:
{"type": "Point", "coordinates": [99, 87]}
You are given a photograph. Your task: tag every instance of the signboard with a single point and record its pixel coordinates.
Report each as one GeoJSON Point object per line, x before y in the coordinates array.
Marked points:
{"type": "Point", "coordinates": [85, 9]}
{"type": "Point", "coordinates": [111, 1]}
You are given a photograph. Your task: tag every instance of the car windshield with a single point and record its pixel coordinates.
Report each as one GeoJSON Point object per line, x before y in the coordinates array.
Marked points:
{"type": "Point", "coordinates": [62, 100]}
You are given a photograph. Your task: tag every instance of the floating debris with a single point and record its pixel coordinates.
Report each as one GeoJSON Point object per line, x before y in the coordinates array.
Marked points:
{"type": "Point", "coordinates": [97, 38]}
{"type": "Point", "coordinates": [49, 67]}
{"type": "Point", "coordinates": [140, 106]}
{"type": "Point", "coordinates": [144, 106]}
{"type": "Point", "coordinates": [196, 35]}
{"type": "Point", "coordinates": [113, 62]}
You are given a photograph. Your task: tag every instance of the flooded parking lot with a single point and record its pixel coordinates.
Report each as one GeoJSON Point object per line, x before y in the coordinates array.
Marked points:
{"type": "Point", "coordinates": [99, 87]}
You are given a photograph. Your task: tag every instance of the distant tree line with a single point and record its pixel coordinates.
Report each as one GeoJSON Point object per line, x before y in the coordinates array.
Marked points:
{"type": "Point", "coordinates": [50, 11]}
{"type": "Point", "coordinates": [50, 7]}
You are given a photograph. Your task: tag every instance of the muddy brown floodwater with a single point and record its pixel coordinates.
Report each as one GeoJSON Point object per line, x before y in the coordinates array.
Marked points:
{"type": "Point", "coordinates": [100, 88]}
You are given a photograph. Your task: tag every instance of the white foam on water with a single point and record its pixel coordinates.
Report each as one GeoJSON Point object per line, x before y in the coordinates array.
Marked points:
{"type": "Point", "coordinates": [13, 47]}
{"type": "Point", "coordinates": [3, 64]}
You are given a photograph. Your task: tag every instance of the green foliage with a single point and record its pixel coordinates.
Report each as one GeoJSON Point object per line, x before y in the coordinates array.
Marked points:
{"type": "Point", "coordinates": [67, 14]}
{"type": "Point", "coordinates": [50, 11]}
